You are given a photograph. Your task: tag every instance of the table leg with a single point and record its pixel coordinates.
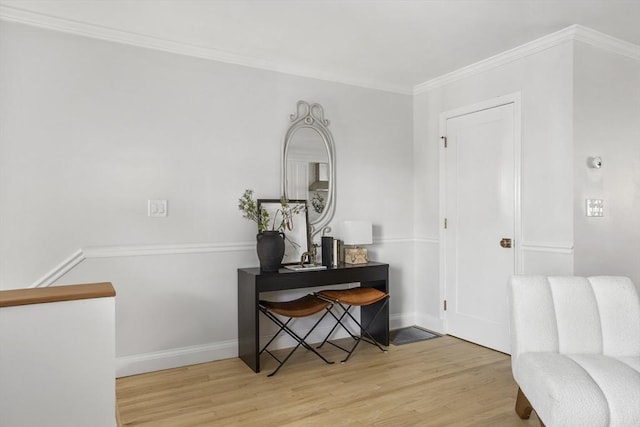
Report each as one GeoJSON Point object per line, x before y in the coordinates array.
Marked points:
{"type": "Point", "coordinates": [379, 329]}
{"type": "Point", "coordinates": [248, 322]}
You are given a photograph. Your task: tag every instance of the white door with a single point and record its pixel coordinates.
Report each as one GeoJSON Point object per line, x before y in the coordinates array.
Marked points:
{"type": "Point", "coordinates": [480, 212]}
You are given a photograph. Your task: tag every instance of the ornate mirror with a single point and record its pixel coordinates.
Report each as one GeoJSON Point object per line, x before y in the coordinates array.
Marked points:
{"type": "Point", "coordinates": [308, 164]}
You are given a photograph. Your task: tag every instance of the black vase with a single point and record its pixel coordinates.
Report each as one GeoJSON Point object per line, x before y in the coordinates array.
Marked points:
{"type": "Point", "coordinates": [270, 246]}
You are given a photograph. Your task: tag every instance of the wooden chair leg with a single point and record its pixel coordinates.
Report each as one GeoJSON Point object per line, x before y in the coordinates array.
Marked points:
{"type": "Point", "coordinates": [523, 407]}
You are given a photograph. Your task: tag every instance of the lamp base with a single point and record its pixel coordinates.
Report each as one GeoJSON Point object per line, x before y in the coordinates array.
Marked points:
{"type": "Point", "coordinates": [355, 256]}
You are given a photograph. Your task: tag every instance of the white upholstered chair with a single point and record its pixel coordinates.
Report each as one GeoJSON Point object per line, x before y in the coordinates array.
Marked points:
{"type": "Point", "coordinates": [575, 350]}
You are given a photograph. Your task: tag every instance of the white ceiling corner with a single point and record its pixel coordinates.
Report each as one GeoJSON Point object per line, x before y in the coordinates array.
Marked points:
{"type": "Point", "coordinates": [403, 46]}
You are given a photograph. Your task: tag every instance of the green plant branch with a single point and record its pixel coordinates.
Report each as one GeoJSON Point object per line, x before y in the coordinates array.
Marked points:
{"type": "Point", "coordinates": [249, 208]}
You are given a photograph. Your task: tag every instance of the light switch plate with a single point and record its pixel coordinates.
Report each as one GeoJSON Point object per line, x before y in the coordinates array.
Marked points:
{"type": "Point", "coordinates": [595, 207]}
{"type": "Point", "coordinates": [157, 208]}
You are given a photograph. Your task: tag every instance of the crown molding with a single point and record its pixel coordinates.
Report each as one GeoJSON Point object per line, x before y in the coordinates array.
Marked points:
{"type": "Point", "coordinates": [606, 42]}
{"type": "Point", "coordinates": [84, 29]}
{"type": "Point", "coordinates": [522, 51]}
{"type": "Point", "coordinates": [574, 32]}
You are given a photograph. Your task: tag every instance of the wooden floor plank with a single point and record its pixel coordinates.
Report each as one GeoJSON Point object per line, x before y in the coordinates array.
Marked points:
{"type": "Point", "coordinates": [438, 382]}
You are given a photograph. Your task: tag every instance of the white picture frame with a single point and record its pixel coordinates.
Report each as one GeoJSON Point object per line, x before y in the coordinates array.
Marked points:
{"type": "Point", "coordinates": [296, 240]}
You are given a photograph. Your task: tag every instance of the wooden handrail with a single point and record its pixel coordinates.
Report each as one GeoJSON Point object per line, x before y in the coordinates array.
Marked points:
{"type": "Point", "coordinates": [14, 297]}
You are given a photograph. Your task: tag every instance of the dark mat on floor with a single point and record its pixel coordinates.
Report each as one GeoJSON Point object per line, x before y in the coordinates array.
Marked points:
{"type": "Point", "coordinates": [409, 335]}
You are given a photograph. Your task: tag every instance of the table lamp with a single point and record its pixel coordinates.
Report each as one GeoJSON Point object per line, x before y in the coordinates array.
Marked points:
{"type": "Point", "coordinates": [356, 233]}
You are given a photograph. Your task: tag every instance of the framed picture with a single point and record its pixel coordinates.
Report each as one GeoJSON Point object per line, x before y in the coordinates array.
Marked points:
{"type": "Point", "coordinates": [296, 228]}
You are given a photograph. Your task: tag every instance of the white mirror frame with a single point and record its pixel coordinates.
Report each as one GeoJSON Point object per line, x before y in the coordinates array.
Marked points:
{"type": "Point", "coordinates": [312, 116]}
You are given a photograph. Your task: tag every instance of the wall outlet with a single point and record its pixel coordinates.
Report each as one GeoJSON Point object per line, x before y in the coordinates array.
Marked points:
{"type": "Point", "coordinates": [157, 208]}
{"type": "Point", "coordinates": [594, 207]}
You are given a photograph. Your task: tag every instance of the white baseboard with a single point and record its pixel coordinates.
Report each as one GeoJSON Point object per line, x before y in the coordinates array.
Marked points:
{"type": "Point", "coordinates": [185, 356]}
{"type": "Point", "coordinates": [174, 358]}
{"type": "Point", "coordinates": [431, 323]}
{"type": "Point", "coordinates": [397, 321]}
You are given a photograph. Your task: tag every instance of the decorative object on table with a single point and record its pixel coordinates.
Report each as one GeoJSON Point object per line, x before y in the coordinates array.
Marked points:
{"type": "Point", "coordinates": [327, 250]}
{"type": "Point", "coordinates": [309, 257]}
{"type": "Point", "coordinates": [305, 267]}
{"type": "Point", "coordinates": [270, 240]}
{"type": "Point", "coordinates": [356, 233]}
{"type": "Point", "coordinates": [336, 248]}
{"type": "Point", "coordinates": [289, 217]}
{"type": "Point", "coordinates": [326, 246]}
{"type": "Point", "coordinates": [270, 249]}
{"type": "Point", "coordinates": [330, 249]}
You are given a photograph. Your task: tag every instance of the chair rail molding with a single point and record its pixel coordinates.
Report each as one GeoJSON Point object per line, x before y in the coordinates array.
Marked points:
{"type": "Point", "coordinates": [550, 247]}
{"type": "Point", "coordinates": [90, 252]}
{"type": "Point", "coordinates": [60, 270]}
{"type": "Point", "coordinates": [130, 250]}
{"type": "Point", "coordinates": [433, 240]}
{"type": "Point", "coordinates": [379, 240]}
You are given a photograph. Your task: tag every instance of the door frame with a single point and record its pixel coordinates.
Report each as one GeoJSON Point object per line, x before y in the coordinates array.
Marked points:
{"type": "Point", "coordinates": [515, 99]}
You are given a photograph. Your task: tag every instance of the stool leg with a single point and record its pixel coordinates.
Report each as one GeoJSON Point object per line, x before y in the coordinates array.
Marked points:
{"type": "Point", "coordinates": [364, 330]}
{"type": "Point", "coordinates": [338, 323]}
{"type": "Point", "coordinates": [282, 327]}
{"type": "Point", "coordinates": [292, 334]}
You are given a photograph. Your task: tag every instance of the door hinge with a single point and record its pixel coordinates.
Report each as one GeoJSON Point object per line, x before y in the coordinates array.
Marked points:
{"type": "Point", "coordinates": [444, 140]}
{"type": "Point", "coordinates": [445, 305]}
{"type": "Point", "coordinates": [445, 223]}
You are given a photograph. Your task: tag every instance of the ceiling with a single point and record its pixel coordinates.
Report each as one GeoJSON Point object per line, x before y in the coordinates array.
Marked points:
{"type": "Point", "coordinates": [388, 44]}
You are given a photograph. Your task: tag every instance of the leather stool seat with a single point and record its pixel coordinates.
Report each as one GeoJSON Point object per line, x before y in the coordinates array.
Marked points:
{"type": "Point", "coordinates": [305, 306]}
{"type": "Point", "coordinates": [301, 307]}
{"type": "Point", "coordinates": [354, 296]}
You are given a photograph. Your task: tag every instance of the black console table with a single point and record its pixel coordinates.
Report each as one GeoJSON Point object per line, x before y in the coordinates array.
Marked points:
{"type": "Point", "coordinates": [251, 281]}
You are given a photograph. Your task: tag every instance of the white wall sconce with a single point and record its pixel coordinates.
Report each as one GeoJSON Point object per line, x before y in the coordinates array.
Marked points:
{"type": "Point", "coordinates": [594, 162]}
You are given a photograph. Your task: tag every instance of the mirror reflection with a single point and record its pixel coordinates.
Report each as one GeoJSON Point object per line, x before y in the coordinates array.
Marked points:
{"type": "Point", "coordinates": [308, 170]}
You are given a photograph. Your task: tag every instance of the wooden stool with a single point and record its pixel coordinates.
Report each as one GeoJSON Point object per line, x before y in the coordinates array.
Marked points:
{"type": "Point", "coordinates": [346, 299]}
{"type": "Point", "coordinates": [305, 306]}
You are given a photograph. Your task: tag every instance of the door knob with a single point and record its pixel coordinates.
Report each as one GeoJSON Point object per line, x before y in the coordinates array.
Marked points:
{"type": "Point", "coordinates": [505, 243]}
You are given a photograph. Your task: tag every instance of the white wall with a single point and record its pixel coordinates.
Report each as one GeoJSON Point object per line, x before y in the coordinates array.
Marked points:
{"type": "Point", "coordinates": [544, 80]}
{"type": "Point", "coordinates": [92, 129]}
{"type": "Point", "coordinates": [607, 124]}
{"type": "Point", "coordinates": [55, 369]}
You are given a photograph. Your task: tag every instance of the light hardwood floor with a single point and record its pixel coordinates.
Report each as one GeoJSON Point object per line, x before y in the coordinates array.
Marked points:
{"type": "Point", "coordinates": [439, 382]}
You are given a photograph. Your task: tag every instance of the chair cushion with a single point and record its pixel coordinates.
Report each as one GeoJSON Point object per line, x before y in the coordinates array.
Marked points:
{"type": "Point", "coordinates": [634, 362]}
{"type": "Point", "coordinates": [574, 315]}
{"type": "Point", "coordinates": [581, 389]}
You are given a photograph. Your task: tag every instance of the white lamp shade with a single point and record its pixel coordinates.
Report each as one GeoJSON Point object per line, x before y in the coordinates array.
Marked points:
{"type": "Point", "coordinates": [357, 233]}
